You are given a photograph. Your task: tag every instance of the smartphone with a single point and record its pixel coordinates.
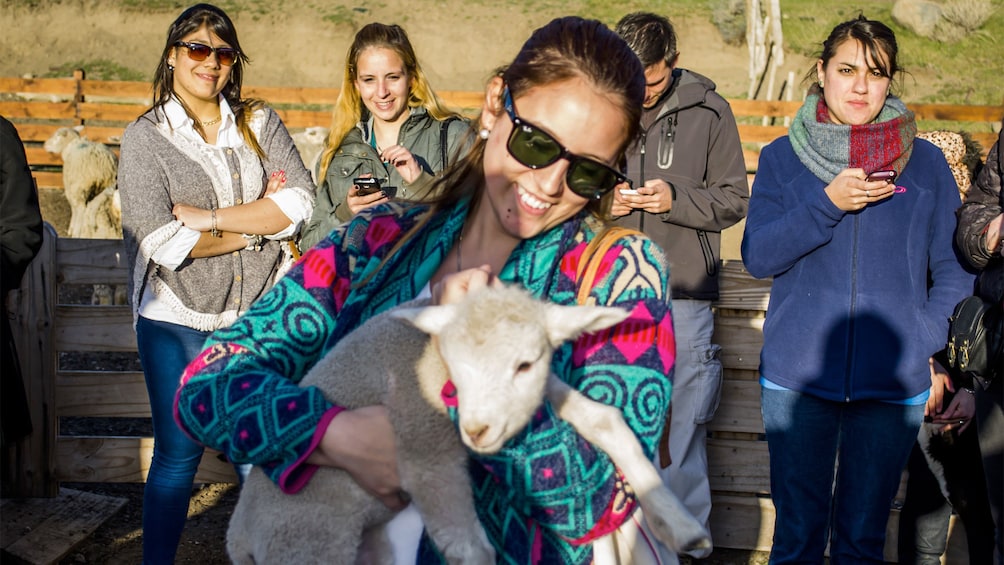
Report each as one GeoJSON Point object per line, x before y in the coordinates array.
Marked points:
{"type": "Point", "coordinates": [887, 176]}
{"type": "Point", "coordinates": [367, 185]}
{"type": "Point", "coordinates": [629, 191]}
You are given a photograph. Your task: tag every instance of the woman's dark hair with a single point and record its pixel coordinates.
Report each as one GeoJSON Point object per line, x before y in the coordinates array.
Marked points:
{"type": "Point", "coordinates": [878, 41]}
{"type": "Point", "coordinates": [566, 48]}
{"type": "Point", "coordinates": [218, 23]}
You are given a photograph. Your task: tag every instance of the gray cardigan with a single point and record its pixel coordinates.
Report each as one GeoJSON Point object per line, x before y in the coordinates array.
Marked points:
{"type": "Point", "coordinates": [159, 168]}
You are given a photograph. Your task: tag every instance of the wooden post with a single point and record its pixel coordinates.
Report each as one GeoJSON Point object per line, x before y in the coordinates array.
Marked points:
{"type": "Point", "coordinates": [33, 459]}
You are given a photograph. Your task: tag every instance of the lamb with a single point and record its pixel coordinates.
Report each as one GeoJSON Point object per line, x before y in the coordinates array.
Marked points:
{"type": "Point", "coordinates": [492, 333]}
{"type": "Point", "coordinates": [89, 168]}
{"type": "Point", "coordinates": [309, 143]}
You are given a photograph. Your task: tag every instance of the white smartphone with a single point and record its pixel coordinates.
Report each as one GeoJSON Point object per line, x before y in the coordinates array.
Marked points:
{"type": "Point", "coordinates": [629, 191]}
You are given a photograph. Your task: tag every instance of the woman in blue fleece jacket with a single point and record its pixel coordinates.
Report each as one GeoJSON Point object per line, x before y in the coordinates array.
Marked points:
{"type": "Point", "coordinates": [865, 278]}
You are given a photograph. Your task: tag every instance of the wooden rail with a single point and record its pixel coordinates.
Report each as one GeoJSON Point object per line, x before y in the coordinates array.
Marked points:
{"type": "Point", "coordinates": [47, 329]}
{"type": "Point", "coordinates": [38, 107]}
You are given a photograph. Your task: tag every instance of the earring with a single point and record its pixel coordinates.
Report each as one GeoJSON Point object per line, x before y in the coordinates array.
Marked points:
{"type": "Point", "coordinates": [820, 84]}
{"type": "Point", "coordinates": [483, 134]}
{"type": "Point", "coordinates": [170, 67]}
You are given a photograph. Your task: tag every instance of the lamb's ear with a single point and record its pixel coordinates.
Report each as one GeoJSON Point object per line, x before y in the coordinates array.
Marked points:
{"type": "Point", "coordinates": [78, 129]}
{"type": "Point", "coordinates": [430, 319]}
{"type": "Point", "coordinates": [567, 322]}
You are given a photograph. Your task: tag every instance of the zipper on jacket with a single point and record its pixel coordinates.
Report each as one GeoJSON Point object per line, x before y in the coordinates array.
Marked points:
{"type": "Point", "coordinates": [666, 142]}
{"type": "Point", "coordinates": [850, 314]}
{"type": "Point", "coordinates": [641, 172]}
{"type": "Point", "coordinates": [710, 265]}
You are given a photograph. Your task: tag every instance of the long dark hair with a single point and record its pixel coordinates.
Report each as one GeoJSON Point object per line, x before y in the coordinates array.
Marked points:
{"type": "Point", "coordinates": [217, 22]}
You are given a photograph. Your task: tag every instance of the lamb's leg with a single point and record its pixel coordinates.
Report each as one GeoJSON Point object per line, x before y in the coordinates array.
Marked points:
{"type": "Point", "coordinates": [604, 427]}
{"type": "Point", "coordinates": [436, 477]}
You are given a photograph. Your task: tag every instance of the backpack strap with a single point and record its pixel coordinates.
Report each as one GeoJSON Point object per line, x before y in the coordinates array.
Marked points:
{"type": "Point", "coordinates": [589, 264]}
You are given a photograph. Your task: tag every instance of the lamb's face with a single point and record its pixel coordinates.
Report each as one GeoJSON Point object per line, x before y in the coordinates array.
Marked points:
{"type": "Point", "coordinates": [497, 345]}
{"type": "Point", "coordinates": [499, 379]}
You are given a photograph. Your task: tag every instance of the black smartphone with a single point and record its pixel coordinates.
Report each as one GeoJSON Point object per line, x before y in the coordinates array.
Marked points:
{"type": "Point", "coordinates": [887, 176]}
{"type": "Point", "coordinates": [366, 185]}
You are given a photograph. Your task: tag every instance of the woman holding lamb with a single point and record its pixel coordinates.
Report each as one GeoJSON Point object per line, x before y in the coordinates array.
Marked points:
{"type": "Point", "coordinates": [206, 231]}
{"type": "Point", "coordinates": [521, 208]}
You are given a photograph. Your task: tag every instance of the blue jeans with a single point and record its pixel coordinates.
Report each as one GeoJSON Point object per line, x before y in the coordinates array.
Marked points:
{"type": "Point", "coordinates": [865, 444]}
{"type": "Point", "coordinates": [165, 350]}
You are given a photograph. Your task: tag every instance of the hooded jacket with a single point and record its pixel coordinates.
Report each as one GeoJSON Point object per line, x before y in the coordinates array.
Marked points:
{"type": "Point", "coordinates": [693, 144]}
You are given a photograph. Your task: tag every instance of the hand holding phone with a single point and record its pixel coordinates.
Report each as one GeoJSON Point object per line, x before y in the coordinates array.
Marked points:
{"type": "Point", "coordinates": [366, 185]}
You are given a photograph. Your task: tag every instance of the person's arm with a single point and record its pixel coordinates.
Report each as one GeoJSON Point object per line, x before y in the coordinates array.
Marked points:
{"type": "Point", "coordinates": [20, 216]}
{"type": "Point", "coordinates": [722, 198]}
{"type": "Point", "coordinates": [981, 213]}
{"type": "Point", "coordinates": [786, 220]}
{"type": "Point", "coordinates": [632, 371]}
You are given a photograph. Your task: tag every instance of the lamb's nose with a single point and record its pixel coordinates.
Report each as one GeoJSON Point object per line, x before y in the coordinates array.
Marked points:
{"type": "Point", "coordinates": [476, 433]}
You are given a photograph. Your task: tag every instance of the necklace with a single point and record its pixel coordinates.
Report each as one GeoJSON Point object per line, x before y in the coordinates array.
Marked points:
{"type": "Point", "coordinates": [212, 122]}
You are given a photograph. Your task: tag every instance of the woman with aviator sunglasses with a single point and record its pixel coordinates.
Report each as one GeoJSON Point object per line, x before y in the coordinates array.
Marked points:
{"type": "Point", "coordinates": [207, 231]}
{"type": "Point", "coordinates": [389, 125]}
{"type": "Point", "coordinates": [520, 208]}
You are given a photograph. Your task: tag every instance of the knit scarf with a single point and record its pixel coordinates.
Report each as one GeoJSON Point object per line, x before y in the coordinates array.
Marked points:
{"type": "Point", "coordinates": [826, 148]}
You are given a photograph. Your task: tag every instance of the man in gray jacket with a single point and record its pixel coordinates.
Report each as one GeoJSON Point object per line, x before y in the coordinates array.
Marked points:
{"type": "Point", "coordinates": [689, 184]}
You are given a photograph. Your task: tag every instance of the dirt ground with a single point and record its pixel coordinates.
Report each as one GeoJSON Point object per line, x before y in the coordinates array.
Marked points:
{"type": "Point", "coordinates": [458, 42]}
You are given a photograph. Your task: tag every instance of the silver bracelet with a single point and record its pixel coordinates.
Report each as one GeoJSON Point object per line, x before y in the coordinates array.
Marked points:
{"type": "Point", "coordinates": [255, 242]}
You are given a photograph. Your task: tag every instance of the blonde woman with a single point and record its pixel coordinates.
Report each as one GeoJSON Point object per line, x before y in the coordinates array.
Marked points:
{"type": "Point", "coordinates": [387, 125]}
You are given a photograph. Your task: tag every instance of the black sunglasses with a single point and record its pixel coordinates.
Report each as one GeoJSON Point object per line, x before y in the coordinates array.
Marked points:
{"type": "Point", "coordinates": [535, 148]}
{"type": "Point", "coordinates": [199, 52]}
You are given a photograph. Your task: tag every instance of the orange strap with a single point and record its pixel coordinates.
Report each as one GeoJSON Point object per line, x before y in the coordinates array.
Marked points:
{"type": "Point", "coordinates": [589, 264]}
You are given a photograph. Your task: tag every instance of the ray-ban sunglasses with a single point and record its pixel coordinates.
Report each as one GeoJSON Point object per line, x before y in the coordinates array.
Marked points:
{"type": "Point", "coordinates": [199, 52]}
{"type": "Point", "coordinates": [535, 148]}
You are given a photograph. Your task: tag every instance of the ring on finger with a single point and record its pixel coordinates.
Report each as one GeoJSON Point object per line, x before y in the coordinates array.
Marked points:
{"type": "Point", "coordinates": [868, 194]}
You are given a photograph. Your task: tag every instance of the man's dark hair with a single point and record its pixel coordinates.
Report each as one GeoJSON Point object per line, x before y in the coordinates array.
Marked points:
{"type": "Point", "coordinates": [650, 36]}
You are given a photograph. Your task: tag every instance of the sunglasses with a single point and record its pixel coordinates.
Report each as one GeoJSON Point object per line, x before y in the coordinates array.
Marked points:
{"type": "Point", "coordinates": [199, 52]}
{"type": "Point", "coordinates": [535, 148]}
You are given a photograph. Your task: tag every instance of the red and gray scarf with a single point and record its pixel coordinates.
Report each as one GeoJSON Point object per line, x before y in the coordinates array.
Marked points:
{"type": "Point", "coordinates": [826, 148]}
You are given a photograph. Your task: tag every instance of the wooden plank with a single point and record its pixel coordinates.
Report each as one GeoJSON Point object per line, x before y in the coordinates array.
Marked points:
{"type": "Point", "coordinates": [293, 95]}
{"type": "Point", "coordinates": [38, 110]}
{"type": "Point", "coordinates": [140, 91]}
{"type": "Point", "coordinates": [741, 340]}
{"type": "Point", "coordinates": [110, 112]}
{"type": "Point", "coordinates": [37, 155]}
{"type": "Point", "coordinates": [48, 179]}
{"type": "Point", "coordinates": [957, 112]}
{"type": "Point", "coordinates": [91, 261]}
{"type": "Point", "coordinates": [94, 328]}
{"type": "Point", "coordinates": [738, 466]}
{"type": "Point", "coordinates": [102, 394]}
{"type": "Point", "coordinates": [738, 289]}
{"type": "Point", "coordinates": [34, 132]}
{"type": "Point", "coordinates": [739, 409]}
{"type": "Point", "coordinates": [742, 522]}
{"type": "Point", "coordinates": [55, 526]}
{"type": "Point", "coordinates": [742, 107]}
{"type": "Point", "coordinates": [60, 86]}
{"type": "Point", "coordinates": [124, 460]}
{"type": "Point", "coordinates": [760, 134]}
{"type": "Point", "coordinates": [304, 118]}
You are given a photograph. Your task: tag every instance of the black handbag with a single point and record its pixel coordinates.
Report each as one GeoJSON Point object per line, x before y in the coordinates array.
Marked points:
{"type": "Point", "coordinates": [975, 339]}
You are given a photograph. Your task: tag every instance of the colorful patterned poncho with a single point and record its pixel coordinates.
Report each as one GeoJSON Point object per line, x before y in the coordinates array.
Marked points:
{"type": "Point", "coordinates": [548, 492]}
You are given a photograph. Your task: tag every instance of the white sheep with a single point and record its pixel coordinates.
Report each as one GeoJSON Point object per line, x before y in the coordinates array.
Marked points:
{"type": "Point", "coordinates": [309, 143]}
{"type": "Point", "coordinates": [89, 168]}
{"type": "Point", "coordinates": [486, 342]}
